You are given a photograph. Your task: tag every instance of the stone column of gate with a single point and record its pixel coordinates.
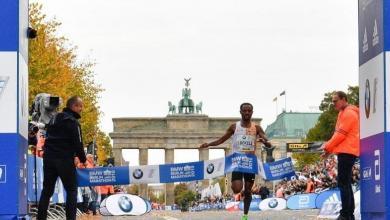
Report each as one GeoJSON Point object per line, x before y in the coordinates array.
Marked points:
{"type": "Point", "coordinates": [204, 155]}
{"type": "Point", "coordinates": [143, 160]}
{"type": "Point", "coordinates": [228, 176]}
{"type": "Point", "coordinates": [118, 157]}
{"type": "Point", "coordinates": [169, 187]}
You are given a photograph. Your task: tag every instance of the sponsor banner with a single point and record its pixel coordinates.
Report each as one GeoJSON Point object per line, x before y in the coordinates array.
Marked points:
{"type": "Point", "coordinates": [302, 201]}
{"type": "Point", "coordinates": [145, 174]}
{"type": "Point", "coordinates": [181, 172]}
{"type": "Point", "coordinates": [149, 205]}
{"type": "Point", "coordinates": [103, 176]}
{"type": "Point", "coordinates": [35, 178]}
{"type": "Point", "coordinates": [372, 171]}
{"type": "Point", "coordinates": [370, 29]}
{"type": "Point", "coordinates": [23, 26]}
{"type": "Point", "coordinates": [9, 25]}
{"type": "Point", "coordinates": [386, 20]}
{"type": "Point", "coordinates": [280, 169]}
{"type": "Point", "coordinates": [254, 206]}
{"type": "Point", "coordinates": [387, 83]}
{"type": "Point", "coordinates": [124, 204]}
{"type": "Point", "coordinates": [330, 210]}
{"type": "Point", "coordinates": [8, 92]}
{"type": "Point", "coordinates": [246, 163]}
{"type": "Point", "coordinates": [214, 168]}
{"type": "Point", "coordinates": [273, 204]}
{"type": "Point", "coordinates": [371, 97]}
{"type": "Point", "coordinates": [9, 174]}
{"type": "Point", "coordinates": [328, 196]}
{"type": "Point", "coordinates": [13, 175]}
{"type": "Point", "coordinates": [304, 147]}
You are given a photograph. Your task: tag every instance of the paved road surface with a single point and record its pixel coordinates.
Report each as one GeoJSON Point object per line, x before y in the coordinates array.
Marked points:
{"type": "Point", "coordinates": [223, 215]}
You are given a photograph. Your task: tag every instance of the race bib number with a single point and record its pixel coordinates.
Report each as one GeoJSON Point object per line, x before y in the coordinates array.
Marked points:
{"type": "Point", "coordinates": [245, 143]}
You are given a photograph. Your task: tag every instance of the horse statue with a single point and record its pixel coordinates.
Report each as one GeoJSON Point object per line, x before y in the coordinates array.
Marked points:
{"type": "Point", "coordinates": [198, 108]}
{"type": "Point", "coordinates": [172, 108]}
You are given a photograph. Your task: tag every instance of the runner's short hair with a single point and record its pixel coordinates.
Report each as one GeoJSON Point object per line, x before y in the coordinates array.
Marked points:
{"type": "Point", "coordinates": [246, 103]}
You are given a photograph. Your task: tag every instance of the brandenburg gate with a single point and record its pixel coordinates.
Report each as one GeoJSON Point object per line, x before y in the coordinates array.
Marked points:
{"type": "Point", "coordinates": [186, 129]}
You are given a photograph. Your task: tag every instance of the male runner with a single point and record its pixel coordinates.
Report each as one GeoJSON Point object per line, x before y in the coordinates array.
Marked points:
{"type": "Point", "coordinates": [242, 131]}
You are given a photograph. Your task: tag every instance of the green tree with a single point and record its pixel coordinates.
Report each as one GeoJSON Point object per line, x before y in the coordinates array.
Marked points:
{"type": "Point", "coordinates": [324, 128]}
{"type": "Point", "coordinates": [158, 199]}
{"type": "Point", "coordinates": [54, 69]}
{"type": "Point", "coordinates": [184, 198]}
{"type": "Point", "coordinates": [179, 189]}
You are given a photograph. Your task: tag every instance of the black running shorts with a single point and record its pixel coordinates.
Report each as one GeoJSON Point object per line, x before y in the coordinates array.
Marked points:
{"type": "Point", "coordinates": [248, 177]}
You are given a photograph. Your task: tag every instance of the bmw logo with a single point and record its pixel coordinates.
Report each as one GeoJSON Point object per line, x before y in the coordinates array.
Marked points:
{"type": "Point", "coordinates": [138, 174]}
{"type": "Point", "coordinates": [367, 99]}
{"type": "Point", "coordinates": [273, 203]}
{"type": "Point", "coordinates": [243, 137]}
{"type": "Point", "coordinates": [210, 168]}
{"type": "Point", "coordinates": [125, 204]}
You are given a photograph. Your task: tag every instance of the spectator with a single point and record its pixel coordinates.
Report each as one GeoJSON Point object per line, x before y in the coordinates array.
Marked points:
{"type": "Point", "coordinates": [263, 192]}
{"type": "Point", "coordinates": [63, 141]}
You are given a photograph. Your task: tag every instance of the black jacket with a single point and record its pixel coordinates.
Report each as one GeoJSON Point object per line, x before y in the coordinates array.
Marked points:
{"type": "Point", "coordinates": [63, 137]}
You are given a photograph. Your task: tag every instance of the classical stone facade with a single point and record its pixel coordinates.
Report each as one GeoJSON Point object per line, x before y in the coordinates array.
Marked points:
{"type": "Point", "coordinates": [177, 131]}
{"type": "Point", "coordinates": [290, 127]}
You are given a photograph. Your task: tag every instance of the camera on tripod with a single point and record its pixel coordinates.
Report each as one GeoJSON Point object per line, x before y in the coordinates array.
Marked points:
{"type": "Point", "coordinates": [44, 108]}
{"type": "Point", "coordinates": [42, 111]}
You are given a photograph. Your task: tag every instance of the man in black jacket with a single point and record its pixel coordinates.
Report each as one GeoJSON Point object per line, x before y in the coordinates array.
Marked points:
{"type": "Point", "coordinates": [63, 143]}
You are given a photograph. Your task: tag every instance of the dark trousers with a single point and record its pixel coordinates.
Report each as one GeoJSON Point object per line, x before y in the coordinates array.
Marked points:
{"type": "Point", "coordinates": [344, 182]}
{"type": "Point", "coordinates": [66, 170]}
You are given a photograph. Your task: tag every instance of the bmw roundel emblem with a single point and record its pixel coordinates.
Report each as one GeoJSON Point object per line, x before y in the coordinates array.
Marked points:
{"type": "Point", "coordinates": [210, 168]}
{"type": "Point", "coordinates": [367, 99]}
{"type": "Point", "coordinates": [138, 174]}
{"type": "Point", "coordinates": [243, 137]}
{"type": "Point", "coordinates": [273, 203]}
{"type": "Point", "coordinates": [125, 204]}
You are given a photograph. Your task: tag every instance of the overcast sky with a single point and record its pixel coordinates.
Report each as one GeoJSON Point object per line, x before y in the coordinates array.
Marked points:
{"type": "Point", "coordinates": [234, 51]}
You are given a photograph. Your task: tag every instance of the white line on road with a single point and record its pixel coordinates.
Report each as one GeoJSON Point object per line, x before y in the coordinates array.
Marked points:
{"type": "Point", "coordinates": [169, 218]}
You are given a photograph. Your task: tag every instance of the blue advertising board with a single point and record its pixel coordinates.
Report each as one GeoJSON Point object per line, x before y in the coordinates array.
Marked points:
{"type": "Point", "coordinates": [374, 33]}
{"type": "Point", "coordinates": [302, 201]}
{"type": "Point", "coordinates": [103, 176]}
{"type": "Point", "coordinates": [327, 196]}
{"type": "Point", "coordinates": [280, 169]}
{"type": "Point", "coordinates": [181, 172]}
{"type": "Point", "coordinates": [370, 29]}
{"type": "Point", "coordinates": [372, 173]}
{"type": "Point", "coordinates": [9, 10]}
{"type": "Point", "coordinates": [13, 111]}
{"type": "Point", "coordinates": [246, 163]}
{"type": "Point", "coordinates": [254, 206]}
